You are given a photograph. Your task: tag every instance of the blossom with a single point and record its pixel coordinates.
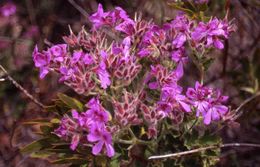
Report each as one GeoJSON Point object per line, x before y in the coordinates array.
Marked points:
{"type": "Point", "coordinates": [42, 61]}
{"type": "Point", "coordinates": [8, 9]}
{"type": "Point", "coordinates": [211, 33]}
{"type": "Point", "coordinates": [58, 52]}
{"type": "Point", "coordinates": [101, 137]}
{"type": "Point", "coordinates": [98, 18]}
{"type": "Point", "coordinates": [179, 56]}
{"type": "Point", "coordinates": [127, 27]}
{"type": "Point", "coordinates": [199, 97]}
{"type": "Point", "coordinates": [215, 112]}
{"type": "Point", "coordinates": [96, 112]}
{"type": "Point", "coordinates": [208, 102]}
{"type": "Point", "coordinates": [69, 130]}
{"type": "Point", "coordinates": [103, 75]}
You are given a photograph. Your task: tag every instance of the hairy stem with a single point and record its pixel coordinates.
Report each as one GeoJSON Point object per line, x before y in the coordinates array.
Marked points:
{"type": "Point", "coordinates": [18, 86]}
{"type": "Point", "coordinates": [204, 149]}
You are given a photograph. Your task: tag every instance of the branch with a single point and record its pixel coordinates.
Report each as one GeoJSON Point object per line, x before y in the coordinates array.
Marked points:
{"type": "Point", "coordinates": [239, 111]}
{"type": "Point", "coordinates": [17, 85]}
{"type": "Point", "coordinates": [79, 8]}
{"type": "Point", "coordinates": [204, 149]}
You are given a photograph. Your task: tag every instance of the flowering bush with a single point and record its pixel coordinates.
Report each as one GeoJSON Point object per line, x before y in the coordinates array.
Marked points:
{"type": "Point", "coordinates": [129, 71]}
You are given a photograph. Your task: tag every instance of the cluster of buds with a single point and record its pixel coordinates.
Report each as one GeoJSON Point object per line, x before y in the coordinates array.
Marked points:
{"type": "Point", "coordinates": [137, 71]}
{"type": "Point", "coordinates": [126, 111]}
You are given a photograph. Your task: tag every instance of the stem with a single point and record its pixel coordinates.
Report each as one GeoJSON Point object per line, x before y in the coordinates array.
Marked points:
{"type": "Point", "coordinates": [204, 149]}
{"type": "Point", "coordinates": [17, 85]}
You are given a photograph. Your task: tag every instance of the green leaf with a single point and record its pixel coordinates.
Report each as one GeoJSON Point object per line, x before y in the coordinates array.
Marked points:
{"type": "Point", "coordinates": [72, 160]}
{"type": "Point", "coordinates": [71, 102]}
{"type": "Point", "coordinates": [37, 122]}
{"type": "Point", "coordinates": [208, 139]}
{"type": "Point", "coordinates": [207, 62]}
{"type": "Point", "coordinates": [46, 129]}
{"type": "Point", "coordinates": [55, 121]}
{"type": "Point", "coordinates": [41, 154]}
{"type": "Point", "coordinates": [52, 108]}
{"type": "Point", "coordinates": [178, 7]}
{"type": "Point", "coordinates": [191, 139]}
{"type": "Point", "coordinates": [114, 162]}
{"type": "Point", "coordinates": [36, 145]}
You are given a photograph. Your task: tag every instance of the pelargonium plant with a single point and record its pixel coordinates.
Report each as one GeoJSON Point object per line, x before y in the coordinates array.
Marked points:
{"type": "Point", "coordinates": [133, 104]}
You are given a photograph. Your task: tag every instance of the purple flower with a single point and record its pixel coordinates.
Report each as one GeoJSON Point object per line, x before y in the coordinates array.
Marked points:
{"type": "Point", "coordinates": [87, 59]}
{"type": "Point", "coordinates": [76, 56]}
{"type": "Point", "coordinates": [199, 98]}
{"type": "Point", "coordinates": [97, 113]}
{"type": "Point", "coordinates": [215, 112]}
{"type": "Point", "coordinates": [179, 40]}
{"type": "Point", "coordinates": [75, 141]}
{"type": "Point", "coordinates": [179, 56]}
{"type": "Point", "coordinates": [211, 33]}
{"type": "Point", "coordinates": [98, 18]}
{"type": "Point", "coordinates": [127, 27]}
{"type": "Point", "coordinates": [41, 61]}
{"type": "Point", "coordinates": [8, 9]}
{"type": "Point", "coordinates": [208, 102]}
{"type": "Point", "coordinates": [101, 137]}
{"type": "Point", "coordinates": [58, 52]}
{"type": "Point", "coordinates": [69, 130]}
{"type": "Point", "coordinates": [102, 72]}
{"type": "Point", "coordinates": [67, 73]}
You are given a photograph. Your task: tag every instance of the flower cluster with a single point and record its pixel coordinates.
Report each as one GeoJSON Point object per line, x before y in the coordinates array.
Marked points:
{"type": "Point", "coordinates": [88, 127]}
{"type": "Point", "coordinates": [136, 65]}
{"type": "Point", "coordinates": [208, 102]}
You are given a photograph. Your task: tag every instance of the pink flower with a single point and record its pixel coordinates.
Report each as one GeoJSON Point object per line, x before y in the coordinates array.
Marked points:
{"type": "Point", "coordinates": [212, 33]}
{"type": "Point", "coordinates": [101, 137]}
{"type": "Point", "coordinates": [8, 9]}
{"type": "Point", "coordinates": [208, 102]}
{"type": "Point", "coordinates": [103, 75]}
{"type": "Point", "coordinates": [41, 61]}
{"type": "Point", "coordinates": [58, 52]}
{"type": "Point", "coordinates": [97, 113]}
{"type": "Point", "coordinates": [98, 18]}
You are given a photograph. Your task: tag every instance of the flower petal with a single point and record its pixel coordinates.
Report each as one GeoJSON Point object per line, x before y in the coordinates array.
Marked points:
{"type": "Point", "coordinates": [97, 148]}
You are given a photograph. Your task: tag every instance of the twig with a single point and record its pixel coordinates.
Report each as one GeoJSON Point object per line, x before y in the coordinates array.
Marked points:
{"type": "Point", "coordinates": [238, 111]}
{"type": "Point", "coordinates": [31, 11]}
{"type": "Point", "coordinates": [79, 8]}
{"type": "Point", "coordinates": [204, 149]}
{"type": "Point", "coordinates": [17, 85]}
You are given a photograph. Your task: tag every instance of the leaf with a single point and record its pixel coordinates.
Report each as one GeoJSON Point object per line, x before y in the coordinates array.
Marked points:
{"type": "Point", "coordinates": [248, 90]}
{"type": "Point", "coordinates": [41, 154]}
{"type": "Point", "coordinates": [36, 145]}
{"type": "Point", "coordinates": [71, 102]}
{"type": "Point", "coordinates": [178, 7]}
{"type": "Point", "coordinates": [72, 160]}
{"type": "Point", "coordinates": [114, 162]}
{"type": "Point", "coordinates": [52, 108]}
{"type": "Point", "coordinates": [207, 62]}
{"type": "Point", "coordinates": [208, 139]}
{"type": "Point", "coordinates": [37, 122]}
{"type": "Point", "coordinates": [55, 121]}
{"type": "Point", "coordinates": [191, 139]}
{"type": "Point", "coordinates": [46, 129]}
